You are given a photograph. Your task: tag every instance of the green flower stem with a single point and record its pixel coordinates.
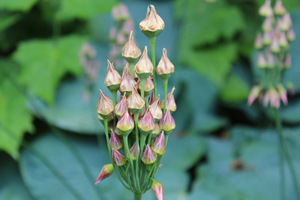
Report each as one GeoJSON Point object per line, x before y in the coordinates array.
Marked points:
{"type": "Point", "coordinates": [136, 120]}
{"type": "Point", "coordinates": [131, 66]}
{"type": "Point", "coordinates": [114, 93]}
{"type": "Point", "coordinates": [143, 87]}
{"type": "Point", "coordinates": [137, 196]}
{"type": "Point", "coordinates": [146, 103]}
{"type": "Point", "coordinates": [281, 172]}
{"type": "Point", "coordinates": [125, 141]}
{"type": "Point", "coordinates": [109, 151]}
{"type": "Point", "coordinates": [286, 153]}
{"type": "Point", "coordinates": [152, 42]}
{"type": "Point", "coordinates": [165, 81]}
{"type": "Point", "coordinates": [143, 140]}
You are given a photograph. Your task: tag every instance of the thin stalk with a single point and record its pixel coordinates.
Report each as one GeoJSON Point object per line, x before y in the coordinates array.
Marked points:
{"type": "Point", "coordinates": [125, 140]}
{"type": "Point", "coordinates": [114, 93]}
{"type": "Point", "coordinates": [147, 102]}
{"type": "Point", "coordinates": [137, 196]}
{"type": "Point", "coordinates": [286, 153]}
{"type": "Point", "coordinates": [165, 82]}
{"type": "Point", "coordinates": [143, 140]}
{"type": "Point", "coordinates": [136, 119]}
{"type": "Point", "coordinates": [152, 42]}
{"type": "Point", "coordinates": [281, 172]}
{"type": "Point", "coordinates": [143, 87]}
{"type": "Point", "coordinates": [131, 66]}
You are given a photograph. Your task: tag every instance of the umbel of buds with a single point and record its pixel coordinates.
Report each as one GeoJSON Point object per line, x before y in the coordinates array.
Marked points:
{"type": "Point", "coordinates": [139, 122]}
{"type": "Point", "coordinates": [273, 58]}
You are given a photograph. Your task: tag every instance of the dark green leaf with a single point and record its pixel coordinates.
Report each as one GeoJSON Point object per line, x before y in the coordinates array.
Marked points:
{"type": "Point", "coordinates": [17, 5]}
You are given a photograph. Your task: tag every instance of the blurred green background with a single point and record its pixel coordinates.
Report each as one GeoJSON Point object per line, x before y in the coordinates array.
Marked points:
{"type": "Point", "coordinates": [52, 145]}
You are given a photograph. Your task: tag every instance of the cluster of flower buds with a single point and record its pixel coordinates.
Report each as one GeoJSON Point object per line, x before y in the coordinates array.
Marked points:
{"type": "Point", "coordinates": [139, 122]}
{"type": "Point", "coordinates": [118, 33]}
{"type": "Point", "coordinates": [273, 45]}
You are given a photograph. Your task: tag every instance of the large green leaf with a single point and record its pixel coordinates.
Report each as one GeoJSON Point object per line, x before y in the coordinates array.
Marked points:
{"type": "Point", "coordinates": [45, 62]}
{"type": "Point", "coordinates": [7, 20]}
{"type": "Point", "coordinates": [15, 119]}
{"type": "Point", "coordinates": [11, 184]}
{"type": "Point", "coordinates": [17, 5]}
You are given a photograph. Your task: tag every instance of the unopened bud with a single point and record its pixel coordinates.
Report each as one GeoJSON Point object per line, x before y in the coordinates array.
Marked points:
{"type": "Point", "coordinates": [105, 106]}
{"type": "Point", "coordinates": [149, 156]}
{"type": "Point", "coordinates": [288, 61]}
{"type": "Point", "coordinates": [285, 23]}
{"type": "Point", "coordinates": [279, 8]}
{"type": "Point", "coordinates": [118, 158]}
{"type": "Point", "coordinates": [259, 42]}
{"type": "Point", "coordinates": [266, 9]}
{"type": "Point", "coordinates": [120, 39]}
{"type": "Point", "coordinates": [120, 13]}
{"type": "Point", "coordinates": [267, 38]}
{"type": "Point", "coordinates": [105, 172]}
{"type": "Point", "coordinates": [113, 78]}
{"type": "Point", "coordinates": [125, 124]}
{"type": "Point", "coordinates": [156, 130]}
{"type": "Point", "coordinates": [115, 141]}
{"type": "Point", "coordinates": [121, 106]}
{"type": "Point", "coordinates": [127, 83]}
{"type": "Point", "coordinates": [155, 109]}
{"type": "Point", "coordinates": [291, 89]}
{"type": "Point", "coordinates": [254, 93]}
{"type": "Point", "coordinates": [165, 68]}
{"type": "Point", "coordinates": [167, 123]}
{"type": "Point", "coordinates": [274, 98]}
{"type": "Point", "coordinates": [131, 51]}
{"type": "Point", "coordinates": [282, 94]}
{"type": "Point", "coordinates": [144, 67]}
{"type": "Point", "coordinates": [158, 190]}
{"type": "Point", "coordinates": [171, 105]}
{"type": "Point", "coordinates": [153, 24]}
{"type": "Point", "coordinates": [113, 34]}
{"type": "Point", "coordinates": [291, 35]}
{"type": "Point", "coordinates": [268, 24]}
{"type": "Point", "coordinates": [275, 48]}
{"type": "Point", "coordinates": [282, 40]}
{"type": "Point", "coordinates": [261, 62]}
{"type": "Point", "coordinates": [133, 151]}
{"type": "Point", "coordinates": [146, 123]}
{"type": "Point", "coordinates": [151, 98]}
{"type": "Point", "coordinates": [148, 87]}
{"type": "Point", "coordinates": [159, 146]}
{"type": "Point", "coordinates": [135, 102]}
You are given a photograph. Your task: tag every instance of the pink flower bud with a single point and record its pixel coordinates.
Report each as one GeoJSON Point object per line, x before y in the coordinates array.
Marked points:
{"type": "Point", "coordinates": [120, 12]}
{"type": "Point", "coordinates": [282, 94]}
{"type": "Point", "coordinates": [171, 105]}
{"type": "Point", "coordinates": [291, 34]}
{"type": "Point", "coordinates": [254, 93]}
{"type": "Point", "coordinates": [144, 67]}
{"type": "Point", "coordinates": [133, 151]}
{"type": "Point", "coordinates": [156, 130]}
{"type": "Point", "coordinates": [279, 8]}
{"type": "Point", "coordinates": [135, 102]}
{"type": "Point", "coordinates": [291, 89]}
{"type": "Point", "coordinates": [288, 61]}
{"type": "Point", "coordinates": [121, 107]}
{"type": "Point", "coordinates": [266, 9]}
{"type": "Point", "coordinates": [115, 141]}
{"type": "Point", "coordinates": [267, 37]}
{"type": "Point", "coordinates": [105, 172]}
{"type": "Point", "coordinates": [127, 26]}
{"type": "Point", "coordinates": [127, 83]}
{"type": "Point", "coordinates": [121, 39]}
{"type": "Point", "coordinates": [155, 109]}
{"type": "Point", "coordinates": [146, 123]}
{"type": "Point", "coordinates": [285, 23]}
{"type": "Point", "coordinates": [125, 124]}
{"type": "Point", "coordinates": [105, 105]}
{"type": "Point", "coordinates": [282, 40]}
{"type": "Point", "coordinates": [159, 144]}
{"type": "Point", "coordinates": [268, 24]}
{"type": "Point", "coordinates": [113, 33]}
{"type": "Point", "coordinates": [151, 98]}
{"type": "Point", "coordinates": [118, 158]}
{"type": "Point", "coordinates": [149, 156]}
{"type": "Point", "coordinates": [270, 60]}
{"type": "Point", "coordinates": [113, 78]}
{"type": "Point", "coordinates": [158, 189]}
{"type": "Point", "coordinates": [261, 62]}
{"type": "Point", "coordinates": [259, 42]}
{"type": "Point", "coordinates": [275, 48]}
{"type": "Point", "coordinates": [274, 98]}
{"type": "Point", "coordinates": [167, 123]}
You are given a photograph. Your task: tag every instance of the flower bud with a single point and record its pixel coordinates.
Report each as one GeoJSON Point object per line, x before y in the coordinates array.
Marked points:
{"type": "Point", "coordinates": [279, 8]}
{"type": "Point", "coordinates": [171, 105]}
{"type": "Point", "coordinates": [148, 87]}
{"type": "Point", "coordinates": [115, 141]}
{"type": "Point", "coordinates": [266, 9]}
{"type": "Point", "coordinates": [259, 42]}
{"type": "Point", "coordinates": [274, 98]}
{"type": "Point", "coordinates": [135, 102]}
{"type": "Point", "coordinates": [285, 23]}
{"type": "Point", "coordinates": [151, 98]}
{"type": "Point", "coordinates": [127, 83]}
{"type": "Point", "coordinates": [105, 172]}
{"type": "Point", "coordinates": [291, 89]}
{"type": "Point", "coordinates": [159, 144]}
{"type": "Point", "coordinates": [153, 24]}
{"type": "Point", "coordinates": [270, 60]}
{"type": "Point", "coordinates": [282, 40]}
{"type": "Point", "coordinates": [167, 123]}
{"type": "Point", "coordinates": [288, 61]}
{"type": "Point", "coordinates": [128, 25]}
{"type": "Point", "coordinates": [254, 93]}
{"type": "Point", "coordinates": [113, 78]}
{"type": "Point", "coordinates": [118, 158]}
{"type": "Point", "coordinates": [125, 124]}
{"type": "Point", "coordinates": [144, 67]}
{"type": "Point", "coordinates": [165, 68]}
{"type": "Point", "coordinates": [158, 190]}
{"type": "Point", "coordinates": [121, 107]}
{"type": "Point", "coordinates": [131, 51]}
{"type": "Point", "coordinates": [155, 109]}
{"type": "Point", "coordinates": [261, 62]}
{"type": "Point", "coordinates": [111, 117]}
{"type": "Point", "coordinates": [268, 24]}
{"type": "Point", "coordinates": [146, 123]}
{"type": "Point", "coordinates": [105, 106]}
{"type": "Point", "coordinates": [113, 34]}
{"type": "Point", "coordinates": [267, 38]}
{"type": "Point", "coordinates": [291, 35]}
{"type": "Point", "coordinates": [149, 156]}
{"type": "Point", "coordinates": [120, 13]}
{"type": "Point", "coordinates": [275, 48]}
{"type": "Point", "coordinates": [133, 151]}
{"type": "Point", "coordinates": [120, 39]}
{"type": "Point", "coordinates": [282, 94]}
{"type": "Point", "coordinates": [156, 130]}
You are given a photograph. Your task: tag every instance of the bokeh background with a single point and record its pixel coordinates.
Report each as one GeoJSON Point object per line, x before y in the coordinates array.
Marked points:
{"type": "Point", "coordinates": [51, 143]}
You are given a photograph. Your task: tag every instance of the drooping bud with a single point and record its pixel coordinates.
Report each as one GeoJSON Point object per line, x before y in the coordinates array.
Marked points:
{"type": "Point", "coordinates": [167, 123]}
{"type": "Point", "coordinates": [282, 94]}
{"type": "Point", "coordinates": [261, 62]}
{"type": "Point", "coordinates": [125, 124]}
{"type": "Point", "coordinates": [144, 66]}
{"type": "Point", "coordinates": [259, 42]}
{"type": "Point", "coordinates": [254, 93]}
{"type": "Point", "coordinates": [266, 9]}
{"type": "Point", "coordinates": [121, 107]}
{"type": "Point", "coordinates": [274, 98]}
{"type": "Point", "coordinates": [165, 68]}
{"type": "Point", "coordinates": [149, 156]}
{"type": "Point", "coordinates": [158, 189]}
{"type": "Point", "coordinates": [159, 144]}
{"type": "Point", "coordinates": [148, 87]}
{"type": "Point", "coordinates": [268, 24]}
{"type": "Point", "coordinates": [291, 35]}
{"type": "Point", "coordinates": [279, 8]}
{"type": "Point", "coordinates": [118, 158]}
{"type": "Point", "coordinates": [120, 13]}
{"type": "Point", "coordinates": [105, 172]}
{"type": "Point", "coordinates": [133, 151]}
{"type": "Point", "coordinates": [127, 83]}
{"type": "Point", "coordinates": [282, 40]}
{"type": "Point", "coordinates": [153, 24]}
{"type": "Point", "coordinates": [135, 102]}
{"type": "Point", "coordinates": [115, 141]}
{"type": "Point", "coordinates": [288, 61]}
{"type": "Point", "coordinates": [285, 23]}
{"type": "Point", "coordinates": [113, 78]}
{"type": "Point", "coordinates": [146, 123]}
{"type": "Point", "coordinates": [131, 51]}
{"type": "Point", "coordinates": [105, 106]}
{"type": "Point", "coordinates": [155, 109]}
{"type": "Point", "coordinates": [275, 48]}
{"type": "Point", "coordinates": [270, 59]}
{"type": "Point", "coordinates": [171, 105]}
{"type": "Point", "coordinates": [267, 38]}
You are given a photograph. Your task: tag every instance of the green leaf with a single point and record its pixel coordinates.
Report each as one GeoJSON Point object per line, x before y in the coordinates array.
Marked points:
{"type": "Point", "coordinates": [15, 119]}
{"type": "Point", "coordinates": [17, 5]}
{"type": "Point", "coordinates": [11, 184]}
{"type": "Point", "coordinates": [235, 90]}
{"type": "Point", "coordinates": [7, 20]}
{"type": "Point", "coordinates": [45, 62]}
{"type": "Point", "coordinates": [83, 9]}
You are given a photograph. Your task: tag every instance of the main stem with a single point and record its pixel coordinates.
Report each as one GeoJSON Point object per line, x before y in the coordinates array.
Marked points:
{"type": "Point", "coordinates": [287, 154]}
{"type": "Point", "coordinates": [136, 120]}
{"type": "Point", "coordinates": [131, 66]}
{"type": "Point", "coordinates": [137, 196]}
{"type": "Point", "coordinates": [165, 81]}
{"type": "Point", "coordinates": [152, 42]}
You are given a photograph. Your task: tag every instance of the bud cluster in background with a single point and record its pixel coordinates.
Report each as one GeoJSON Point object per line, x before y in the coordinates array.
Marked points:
{"type": "Point", "coordinates": [139, 123]}
{"type": "Point", "coordinates": [273, 44]}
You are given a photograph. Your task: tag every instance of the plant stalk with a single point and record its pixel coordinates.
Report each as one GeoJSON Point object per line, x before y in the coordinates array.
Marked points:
{"type": "Point", "coordinates": [165, 82]}
{"type": "Point", "coordinates": [136, 120]}
{"type": "Point", "coordinates": [152, 42]}
{"type": "Point", "coordinates": [137, 196]}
